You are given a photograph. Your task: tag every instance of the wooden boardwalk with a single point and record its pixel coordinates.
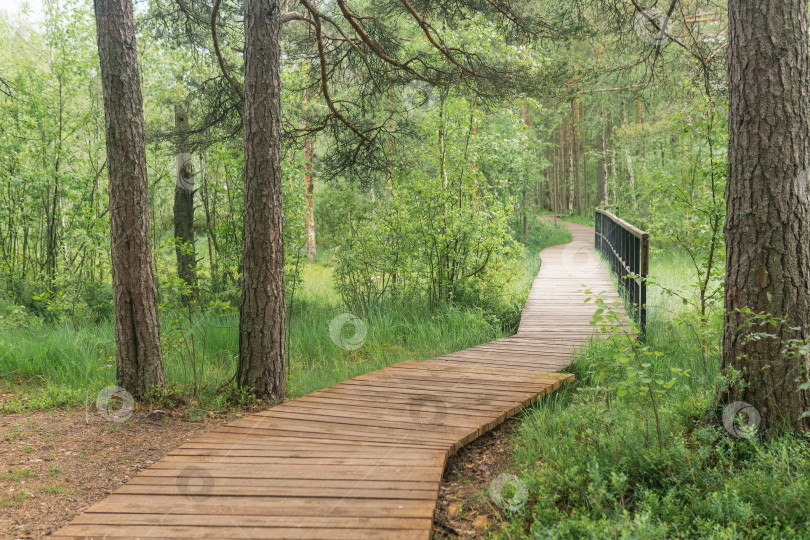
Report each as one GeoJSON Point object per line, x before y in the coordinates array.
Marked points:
{"type": "Point", "coordinates": [364, 458]}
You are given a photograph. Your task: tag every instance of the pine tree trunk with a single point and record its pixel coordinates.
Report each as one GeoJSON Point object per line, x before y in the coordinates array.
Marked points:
{"type": "Point", "coordinates": [631, 175]}
{"type": "Point", "coordinates": [570, 142]}
{"type": "Point", "coordinates": [584, 156]}
{"type": "Point", "coordinates": [613, 199]}
{"type": "Point", "coordinates": [209, 206]}
{"type": "Point", "coordinates": [309, 155]}
{"type": "Point", "coordinates": [601, 166]}
{"type": "Point", "coordinates": [184, 207]}
{"type": "Point", "coordinates": [262, 313]}
{"type": "Point", "coordinates": [641, 118]}
{"type": "Point", "coordinates": [768, 217]}
{"type": "Point", "coordinates": [555, 193]}
{"type": "Point", "coordinates": [576, 193]}
{"type": "Point", "coordinates": [555, 167]}
{"type": "Point", "coordinates": [525, 202]}
{"type": "Point", "coordinates": [139, 362]}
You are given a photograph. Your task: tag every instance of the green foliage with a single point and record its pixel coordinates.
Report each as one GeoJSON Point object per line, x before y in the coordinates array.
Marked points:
{"type": "Point", "coordinates": [636, 378]}
{"type": "Point", "coordinates": [595, 466]}
{"type": "Point", "coordinates": [440, 228]}
{"type": "Point", "coordinates": [54, 366]}
{"type": "Point", "coordinates": [542, 233]}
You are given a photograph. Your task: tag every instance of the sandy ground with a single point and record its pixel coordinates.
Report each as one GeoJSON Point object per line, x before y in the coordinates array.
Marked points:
{"type": "Point", "coordinates": [465, 508]}
{"type": "Point", "coordinates": [54, 464]}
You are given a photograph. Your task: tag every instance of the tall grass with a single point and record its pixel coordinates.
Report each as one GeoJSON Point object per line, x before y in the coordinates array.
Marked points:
{"type": "Point", "coordinates": [591, 461]}
{"type": "Point", "coordinates": [55, 365]}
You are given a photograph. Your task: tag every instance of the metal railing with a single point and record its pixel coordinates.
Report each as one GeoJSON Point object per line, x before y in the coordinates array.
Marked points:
{"type": "Point", "coordinates": [627, 250]}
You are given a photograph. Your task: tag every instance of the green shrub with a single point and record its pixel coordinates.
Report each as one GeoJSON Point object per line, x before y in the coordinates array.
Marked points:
{"type": "Point", "coordinates": [591, 459]}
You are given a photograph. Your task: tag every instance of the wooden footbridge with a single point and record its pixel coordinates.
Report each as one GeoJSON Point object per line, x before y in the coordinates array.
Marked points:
{"type": "Point", "coordinates": [364, 458]}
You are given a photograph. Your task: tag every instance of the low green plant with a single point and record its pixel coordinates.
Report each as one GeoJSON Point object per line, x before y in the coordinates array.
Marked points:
{"type": "Point", "coordinates": [599, 463]}
{"type": "Point", "coordinates": [638, 378]}
{"type": "Point", "coordinates": [19, 474]}
{"type": "Point", "coordinates": [48, 366]}
{"type": "Point", "coordinates": [53, 489]}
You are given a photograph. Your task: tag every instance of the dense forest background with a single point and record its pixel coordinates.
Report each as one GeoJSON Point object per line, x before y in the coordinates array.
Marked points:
{"type": "Point", "coordinates": [615, 121]}
{"type": "Point", "coordinates": [410, 193]}
{"type": "Point", "coordinates": [422, 142]}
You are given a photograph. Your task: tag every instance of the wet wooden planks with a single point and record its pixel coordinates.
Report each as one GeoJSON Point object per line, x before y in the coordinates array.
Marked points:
{"type": "Point", "coordinates": [364, 458]}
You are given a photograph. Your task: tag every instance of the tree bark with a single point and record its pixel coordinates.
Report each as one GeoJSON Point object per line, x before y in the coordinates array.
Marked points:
{"type": "Point", "coordinates": [139, 362]}
{"type": "Point", "coordinates": [768, 206]}
{"type": "Point", "coordinates": [611, 195]}
{"type": "Point", "coordinates": [641, 119]}
{"type": "Point", "coordinates": [631, 175]}
{"type": "Point", "coordinates": [576, 193]}
{"type": "Point", "coordinates": [584, 156]}
{"type": "Point", "coordinates": [262, 313]}
{"type": "Point", "coordinates": [210, 210]}
{"type": "Point", "coordinates": [556, 191]}
{"type": "Point", "coordinates": [309, 155]}
{"type": "Point", "coordinates": [525, 201]}
{"type": "Point", "coordinates": [601, 165]}
{"type": "Point", "coordinates": [570, 142]}
{"type": "Point", "coordinates": [184, 207]}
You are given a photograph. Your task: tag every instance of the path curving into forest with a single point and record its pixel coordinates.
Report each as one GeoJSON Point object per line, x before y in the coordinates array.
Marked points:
{"type": "Point", "coordinates": [364, 458]}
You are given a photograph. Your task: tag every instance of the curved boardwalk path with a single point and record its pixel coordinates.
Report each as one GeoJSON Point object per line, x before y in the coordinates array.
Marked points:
{"type": "Point", "coordinates": [364, 458]}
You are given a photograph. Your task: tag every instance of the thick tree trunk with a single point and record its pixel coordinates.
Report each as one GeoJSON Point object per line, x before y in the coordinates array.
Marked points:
{"type": "Point", "coordinates": [139, 362]}
{"type": "Point", "coordinates": [184, 207]}
{"type": "Point", "coordinates": [768, 205]}
{"type": "Point", "coordinates": [262, 313]}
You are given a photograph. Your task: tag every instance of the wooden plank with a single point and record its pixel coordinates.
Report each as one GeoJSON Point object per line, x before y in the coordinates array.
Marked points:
{"type": "Point", "coordinates": [392, 460]}
{"type": "Point", "coordinates": [286, 491]}
{"type": "Point", "coordinates": [394, 423]}
{"type": "Point", "coordinates": [303, 507]}
{"type": "Point", "coordinates": [237, 531]}
{"type": "Point", "coordinates": [101, 518]}
{"type": "Point", "coordinates": [400, 484]}
{"type": "Point", "coordinates": [310, 430]}
{"type": "Point", "coordinates": [280, 452]}
{"type": "Point", "coordinates": [364, 458]}
{"type": "Point", "coordinates": [321, 472]}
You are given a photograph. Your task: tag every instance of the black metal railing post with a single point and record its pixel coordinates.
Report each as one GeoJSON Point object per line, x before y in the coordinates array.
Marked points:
{"type": "Point", "coordinates": [627, 250]}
